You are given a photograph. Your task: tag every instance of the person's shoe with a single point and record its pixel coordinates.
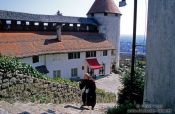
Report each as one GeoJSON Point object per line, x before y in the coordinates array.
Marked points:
{"type": "Point", "coordinates": [81, 106]}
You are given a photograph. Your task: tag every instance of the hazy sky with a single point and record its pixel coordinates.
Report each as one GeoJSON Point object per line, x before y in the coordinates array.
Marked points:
{"type": "Point", "coordinates": [79, 8]}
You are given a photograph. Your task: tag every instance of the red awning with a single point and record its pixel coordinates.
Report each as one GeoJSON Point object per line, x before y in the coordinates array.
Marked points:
{"type": "Point", "coordinates": [93, 63]}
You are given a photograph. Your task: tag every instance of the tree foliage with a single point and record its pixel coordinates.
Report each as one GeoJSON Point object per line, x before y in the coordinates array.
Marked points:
{"type": "Point", "coordinates": [134, 94]}
{"type": "Point", "coordinates": [129, 97]}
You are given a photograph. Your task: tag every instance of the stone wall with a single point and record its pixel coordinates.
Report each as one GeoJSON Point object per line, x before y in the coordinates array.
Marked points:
{"type": "Point", "coordinates": [19, 87]}
{"type": "Point", "coordinates": [26, 88]}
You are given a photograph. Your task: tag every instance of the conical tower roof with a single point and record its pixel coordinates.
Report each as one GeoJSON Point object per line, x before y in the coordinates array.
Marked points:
{"type": "Point", "coordinates": [104, 6]}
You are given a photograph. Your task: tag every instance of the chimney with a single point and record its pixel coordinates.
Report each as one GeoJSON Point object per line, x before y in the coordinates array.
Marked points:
{"type": "Point", "coordinates": [58, 30]}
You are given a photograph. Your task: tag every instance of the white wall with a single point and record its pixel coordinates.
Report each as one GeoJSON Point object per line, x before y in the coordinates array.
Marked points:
{"type": "Point", "coordinates": [107, 60]}
{"type": "Point", "coordinates": [160, 73]}
{"type": "Point", "coordinates": [61, 62]}
{"type": "Point", "coordinates": [29, 60]}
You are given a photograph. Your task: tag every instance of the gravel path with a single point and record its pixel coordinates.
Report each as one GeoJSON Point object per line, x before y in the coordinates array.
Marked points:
{"type": "Point", "coordinates": [33, 108]}
{"type": "Point", "coordinates": [109, 84]}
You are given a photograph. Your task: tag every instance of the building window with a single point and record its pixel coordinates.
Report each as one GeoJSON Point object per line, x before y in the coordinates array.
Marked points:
{"type": "Point", "coordinates": [90, 54]}
{"type": "Point", "coordinates": [82, 67]}
{"type": "Point", "coordinates": [35, 59]}
{"type": "Point", "coordinates": [102, 70]}
{"type": "Point", "coordinates": [105, 14]}
{"type": "Point", "coordinates": [56, 73]}
{"type": "Point", "coordinates": [105, 53]}
{"type": "Point", "coordinates": [112, 52]}
{"type": "Point", "coordinates": [74, 72]}
{"type": "Point", "coordinates": [74, 55]}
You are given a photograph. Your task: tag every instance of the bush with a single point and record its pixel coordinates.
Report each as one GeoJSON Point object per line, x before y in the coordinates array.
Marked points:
{"type": "Point", "coordinates": [136, 94]}
{"type": "Point", "coordinates": [128, 98]}
{"type": "Point", "coordinates": [121, 109]}
{"type": "Point", "coordinates": [13, 65]}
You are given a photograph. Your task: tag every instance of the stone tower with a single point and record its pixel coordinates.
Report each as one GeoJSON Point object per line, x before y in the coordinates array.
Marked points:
{"type": "Point", "coordinates": [160, 73]}
{"type": "Point", "coordinates": [108, 16]}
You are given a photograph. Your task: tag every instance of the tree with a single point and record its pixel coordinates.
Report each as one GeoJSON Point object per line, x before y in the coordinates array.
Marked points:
{"type": "Point", "coordinates": [125, 94]}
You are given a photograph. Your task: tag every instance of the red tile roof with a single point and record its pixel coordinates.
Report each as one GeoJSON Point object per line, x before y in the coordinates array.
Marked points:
{"type": "Point", "coordinates": [104, 6]}
{"type": "Point", "coordinates": [38, 43]}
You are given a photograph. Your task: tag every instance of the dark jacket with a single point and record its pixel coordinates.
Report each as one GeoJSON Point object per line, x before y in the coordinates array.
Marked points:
{"type": "Point", "coordinates": [89, 92]}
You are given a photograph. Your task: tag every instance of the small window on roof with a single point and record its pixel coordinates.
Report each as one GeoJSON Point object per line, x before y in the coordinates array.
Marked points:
{"type": "Point", "coordinates": [27, 23]}
{"type": "Point", "coordinates": [45, 24]}
{"type": "Point", "coordinates": [8, 22]}
{"type": "Point", "coordinates": [18, 22]}
{"type": "Point", "coordinates": [54, 24]}
{"type": "Point", "coordinates": [36, 23]}
{"type": "Point", "coordinates": [78, 25]}
{"type": "Point", "coordinates": [71, 25]}
{"type": "Point", "coordinates": [87, 28]}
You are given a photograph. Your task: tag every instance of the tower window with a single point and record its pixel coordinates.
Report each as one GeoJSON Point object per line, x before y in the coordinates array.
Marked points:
{"type": "Point", "coordinates": [92, 14]}
{"type": "Point", "coordinates": [117, 14]}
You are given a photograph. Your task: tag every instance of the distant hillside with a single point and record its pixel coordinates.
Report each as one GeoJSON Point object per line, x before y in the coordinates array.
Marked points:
{"type": "Point", "coordinates": [126, 44]}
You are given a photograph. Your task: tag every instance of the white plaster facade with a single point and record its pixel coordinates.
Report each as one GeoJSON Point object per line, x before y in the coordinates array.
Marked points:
{"type": "Point", "coordinates": [160, 74]}
{"type": "Point", "coordinates": [61, 62]}
{"type": "Point", "coordinates": [110, 28]}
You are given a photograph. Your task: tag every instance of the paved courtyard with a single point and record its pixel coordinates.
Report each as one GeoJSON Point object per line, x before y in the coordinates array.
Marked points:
{"type": "Point", "coordinates": [109, 83]}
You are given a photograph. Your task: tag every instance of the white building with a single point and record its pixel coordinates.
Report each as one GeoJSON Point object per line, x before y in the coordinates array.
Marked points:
{"type": "Point", "coordinates": [64, 46]}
